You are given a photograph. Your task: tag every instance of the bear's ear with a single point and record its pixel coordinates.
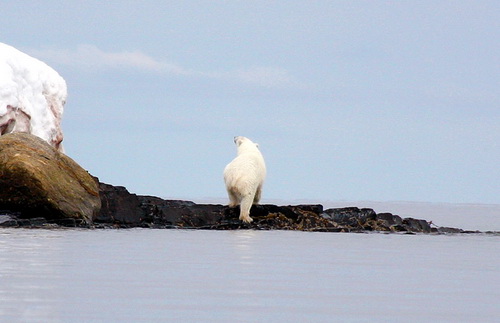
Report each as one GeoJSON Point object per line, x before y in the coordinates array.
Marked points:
{"type": "Point", "coordinates": [238, 140]}
{"type": "Point", "coordinates": [257, 145]}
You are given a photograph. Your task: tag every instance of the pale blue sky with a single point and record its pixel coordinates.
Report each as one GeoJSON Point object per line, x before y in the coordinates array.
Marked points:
{"type": "Point", "coordinates": [349, 100]}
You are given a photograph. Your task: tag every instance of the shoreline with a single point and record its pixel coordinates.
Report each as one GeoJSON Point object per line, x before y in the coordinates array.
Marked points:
{"type": "Point", "coordinates": [123, 210]}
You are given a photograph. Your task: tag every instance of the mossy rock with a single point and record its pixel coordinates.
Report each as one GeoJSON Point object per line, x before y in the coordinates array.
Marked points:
{"type": "Point", "coordinates": [37, 180]}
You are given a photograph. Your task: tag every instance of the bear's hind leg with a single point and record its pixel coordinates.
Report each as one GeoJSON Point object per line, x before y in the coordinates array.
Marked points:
{"type": "Point", "coordinates": [233, 198]}
{"type": "Point", "coordinates": [245, 206]}
{"type": "Point", "coordinates": [258, 194]}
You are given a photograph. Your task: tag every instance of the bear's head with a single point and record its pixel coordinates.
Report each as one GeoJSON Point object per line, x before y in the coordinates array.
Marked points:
{"type": "Point", "coordinates": [245, 144]}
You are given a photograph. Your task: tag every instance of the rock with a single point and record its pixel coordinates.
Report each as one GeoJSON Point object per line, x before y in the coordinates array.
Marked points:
{"type": "Point", "coordinates": [198, 215]}
{"type": "Point", "coordinates": [13, 219]}
{"type": "Point", "coordinates": [162, 212]}
{"type": "Point", "coordinates": [416, 225]}
{"type": "Point", "coordinates": [263, 211]}
{"type": "Point", "coordinates": [39, 181]}
{"type": "Point", "coordinates": [349, 216]}
{"type": "Point", "coordinates": [68, 222]}
{"type": "Point", "coordinates": [398, 228]}
{"type": "Point", "coordinates": [389, 218]}
{"type": "Point", "coordinates": [38, 222]}
{"type": "Point", "coordinates": [124, 209]}
{"type": "Point", "coordinates": [449, 230]}
{"type": "Point", "coordinates": [7, 220]}
{"type": "Point", "coordinates": [184, 214]}
{"type": "Point", "coordinates": [118, 205]}
{"type": "Point", "coordinates": [24, 222]}
{"type": "Point", "coordinates": [290, 217]}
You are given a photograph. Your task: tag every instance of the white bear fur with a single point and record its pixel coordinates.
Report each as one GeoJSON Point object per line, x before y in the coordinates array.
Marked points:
{"type": "Point", "coordinates": [244, 177]}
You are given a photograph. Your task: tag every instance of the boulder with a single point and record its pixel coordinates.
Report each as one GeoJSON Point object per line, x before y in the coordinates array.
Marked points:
{"type": "Point", "coordinates": [39, 181]}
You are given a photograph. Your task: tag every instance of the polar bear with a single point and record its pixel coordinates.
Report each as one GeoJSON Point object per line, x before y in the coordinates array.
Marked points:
{"type": "Point", "coordinates": [244, 177]}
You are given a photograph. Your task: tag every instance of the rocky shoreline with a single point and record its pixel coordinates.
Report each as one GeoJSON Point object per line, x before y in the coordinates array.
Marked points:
{"type": "Point", "coordinates": [43, 188]}
{"type": "Point", "coordinates": [122, 209]}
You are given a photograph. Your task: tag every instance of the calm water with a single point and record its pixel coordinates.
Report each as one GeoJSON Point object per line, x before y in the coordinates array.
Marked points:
{"type": "Point", "coordinates": [143, 275]}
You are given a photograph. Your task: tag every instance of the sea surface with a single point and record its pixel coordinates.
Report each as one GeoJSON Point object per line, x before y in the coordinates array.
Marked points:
{"type": "Point", "coordinates": [146, 275]}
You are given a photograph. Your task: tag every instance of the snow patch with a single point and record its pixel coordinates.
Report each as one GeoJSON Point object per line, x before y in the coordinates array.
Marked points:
{"type": "Point", "coordinates": [32, 96]}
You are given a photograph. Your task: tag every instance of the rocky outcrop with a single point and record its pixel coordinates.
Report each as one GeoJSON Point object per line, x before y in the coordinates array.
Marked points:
{"type": "Point", "coordinates": [37, 181]}
{"type": "Point", "coordinates": [40, 187]}
{"type": "Point", "coordinates": [122, 209]}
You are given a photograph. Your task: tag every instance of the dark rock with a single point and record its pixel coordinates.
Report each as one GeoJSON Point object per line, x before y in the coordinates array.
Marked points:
{"type": "Point", "coordinates": [122, 209]}
{"type": "Point", "coordinates": [37, 180]}
{"type": "Point", "coordinates": [10, 213]}
{"type": "Point", "coordinates": [263, 211]}
{"type": "Point", "coordinates": [118, 205]}
{"type": "Point", "coordinates": [38, 222]}
{"type": "Point", "coordinates": [272, 217]}
{"type": "Point", "coordinates": [163, 212]}
{"type": "Point", "coordinates": [24, 222]}
{"type": "Point", "coordinates": [398, 228]}
{"type": "Point", "coordinates": [199, 215]}
{"type": "Point", "coordinates": [349, 216]}
{"type": "Point", "coordinates": [7, 221]}
{"type": "Point", "coordinates": [389, 218]}
{"type": "Point", "coordinates": [186, 215]}
{"type": "Point", "coordinates": [416, 225]}
{"type": "Point", "coordinates": [313, 208]}
{"type": "Point", "coordinates": [68, 222]}
{"type": "Point", "coordinates": [449, 230]}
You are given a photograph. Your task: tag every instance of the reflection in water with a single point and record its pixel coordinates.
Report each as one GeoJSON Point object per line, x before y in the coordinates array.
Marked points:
{"type": "Point", "coordinates": [144, 275]}
{"type": "Point", "coordinates": [29, 268]}
{"type": "Point", "coordinates": [244, 245]}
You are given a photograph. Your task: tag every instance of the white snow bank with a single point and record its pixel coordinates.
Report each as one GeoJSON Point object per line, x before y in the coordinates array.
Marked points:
{"type": "Point", "coordinates": [32, 96]}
